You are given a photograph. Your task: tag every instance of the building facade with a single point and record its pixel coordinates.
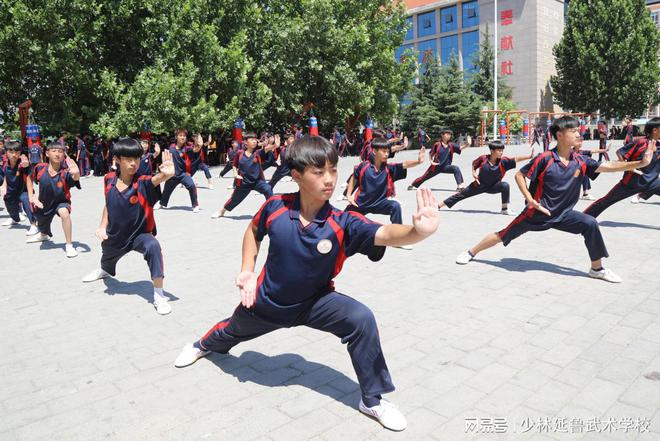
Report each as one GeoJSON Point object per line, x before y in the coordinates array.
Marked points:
{"type": "Point", "coordinates": [527, 31]}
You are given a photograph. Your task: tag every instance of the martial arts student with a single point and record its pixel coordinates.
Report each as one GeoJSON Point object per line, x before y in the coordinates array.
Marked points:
{"type": "Point", "coordinates": [127, 223]}
{"type": "Point", "coordinates": [555, 181]}
{"type": "Point", "coordinates": [309, 242]}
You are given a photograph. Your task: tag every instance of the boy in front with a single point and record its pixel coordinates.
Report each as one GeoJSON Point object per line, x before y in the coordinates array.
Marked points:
{"type": "Point", "coordinates": [309, 242]}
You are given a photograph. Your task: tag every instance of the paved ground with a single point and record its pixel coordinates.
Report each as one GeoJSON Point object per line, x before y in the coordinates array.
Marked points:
{"type": "Point", "coordinates": [520, 341]}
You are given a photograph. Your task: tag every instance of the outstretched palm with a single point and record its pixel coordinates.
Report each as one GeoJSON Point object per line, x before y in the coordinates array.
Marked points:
{"type": "Point", "coordinates": [167, 167]}
{"type": "Point", "coordinates": [246, 282]}
{"type": "Point", "coordinates": [427, 218]}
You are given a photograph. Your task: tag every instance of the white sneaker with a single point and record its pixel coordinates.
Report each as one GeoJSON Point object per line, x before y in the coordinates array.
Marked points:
{"type": "Point", "coordinates": [32, 231]}
{"type": "Point", "coordinates": [505, 212]}
{"type": "Point", "coordinates": [460, 187]}
{"type": "Point", "coordinates": [405, 247]}
{"type": "Point", "coordinates": [162, 305]}
{"type": "Point", "coordinates": [9, 222]}
{"type": "Point", "coordinates": [216, 215]}
{"type": "Point", "coordinates": [635, 199]}
{"type": "Point", "coordinates": [70, 250]}
{"type": "Point", "coordinates": [97, 274]}
{"type": "Point", "coordinates": [588, 197]}
{"type": "Point", "coordinates": [189, 354]}
{"type": "Point", "coordinates": [22, 217]}
{"type": "Point", "coordinates": [464, 258]}
{"type": "Point", "coordinates": [411, 187]}
{"type": "Point", "coordinates": [386, 414]}
{"type": "Point", "coordinates": [41, 237]}
{"type": "Point", "coordinates": [211, 187]}
{"type": "Point", "coordinates": [230, 187]}
{"type": "Point", "coordinates": [196, 209]}
{"type": "Point", "coordinates": [606, 275]}
{"type": "Point", "coordinates": [157, 206]}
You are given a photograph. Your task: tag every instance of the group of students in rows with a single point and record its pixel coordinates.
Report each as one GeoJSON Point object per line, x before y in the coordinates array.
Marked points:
{"type": "Point", "coordinates": [310, 239]}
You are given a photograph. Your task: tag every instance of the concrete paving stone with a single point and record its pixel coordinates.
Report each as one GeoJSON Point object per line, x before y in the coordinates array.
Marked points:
{"type": "Point", "coordinates": [459, 340]}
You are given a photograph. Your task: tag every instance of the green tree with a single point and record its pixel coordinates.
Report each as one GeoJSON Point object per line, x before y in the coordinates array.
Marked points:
{"type": "Point", "coordinates": [113, 64]}
{"type": "Point", "coordinates": [607, 58]}
{"type": "Point", "coordinates": [442, 99]}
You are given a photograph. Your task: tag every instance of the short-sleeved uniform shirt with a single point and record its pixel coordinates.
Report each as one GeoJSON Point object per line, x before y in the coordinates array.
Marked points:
{"type": "Point", "coordinates": [555, 185]}
{"type": "Point", "coordinates": [249, 167]}
{"type": "Point", "coordinates": [130, 212]}
{"type": "Point", "coordinates": [634, 151]}
{"type": "Point", "coordinates": [146, 165]}
{"type": "Point", "coordinates": [36, 154]}
{"type": "Point", "coordinates": [284, 167]}
{"type": "Point", "coordinates": [376, 185]}
{"type": "Point", "coordinates": [53, 190]}
{"type": "Point", "coordinates": [15, 177]}
{"type": "Point", "coordinates": [490, 174]}
{"type": "Point", "coordinates": [443, 154]}
{"type": "Point", "coordinates": [181, 160]}
{"type": "Point", "coordinates": [303, 261]}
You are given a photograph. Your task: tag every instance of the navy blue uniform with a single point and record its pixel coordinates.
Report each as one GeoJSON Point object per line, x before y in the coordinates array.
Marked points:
{"type": "Point", "coordinates": [490, 180]}
{"type": "Point", "coordinates": [230, 160]}
{"type": "Point", "coordinates": [646, 184]}
{"type": "Point", "coordinates": [557, 187]}
{"type": "Point", "coordinates": [54, 193]}
{"type": "Point", "coordinates": [131, 224]}
{"type": "Point", "coordinates": [182, 175]}
{"type": "Point", "coordinates": [281, 171]}
{"type": "Point", "coordinates": [374, 187]}
{"type": "Point", "coordinates": [83, 158]}
{"type": "Point", "coordinates": [146, 167]}
{"type": "Point", "coordinates": [442, 155]}
{"type": "Point", "coordinates": [36, 154]}
{"type": "Point", "coordinates": [296, 288]}
{"type": "Point", "coordinates": [198, 162]}
{"type": "Point", "coordinates": [16, 196]}
{"type": "Point", "coordinates": [249, 168]}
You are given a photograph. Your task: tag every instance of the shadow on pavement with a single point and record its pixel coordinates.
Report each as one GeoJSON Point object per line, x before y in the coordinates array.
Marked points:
{"type": "Point", "coordinates": [322, 374]}
{"type": "Point", "coordinates": [627, 224]}
{"type": "Point", "coordinates": [520, 265]}
{"type": "Point", "coordinates": [142, 288]}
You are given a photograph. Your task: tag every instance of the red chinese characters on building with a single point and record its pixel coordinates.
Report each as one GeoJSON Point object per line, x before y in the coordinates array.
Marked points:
{"type": "Point", "coordinates": [506, 17]}
{"type": "Point", "coordinates": [506, 43]}
{"type": "Point", "coordinates": [506, 67]}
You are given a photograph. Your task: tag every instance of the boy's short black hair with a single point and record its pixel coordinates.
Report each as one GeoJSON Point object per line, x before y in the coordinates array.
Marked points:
{"type": "Point", "coordinates": [380, 143]}
{"type": "Point", "coordinates": [13, 145]}
{"type": "Point", "coordinates": [446, 130]}
{"type": "Point", "coordinates": [56, 145]}
{"type": "Point", "coordinates": [651, 124]}
{"type": "Point", "coordinates": [493, 145]}
{"type": "Point", "coordinates": [310, 151]}
{"type": "Point", "coordinates": [127, 148]}
{"type": "Point", "coordinates": [248, 135]}
{"type": "Point", "coordinates": [563, 123]}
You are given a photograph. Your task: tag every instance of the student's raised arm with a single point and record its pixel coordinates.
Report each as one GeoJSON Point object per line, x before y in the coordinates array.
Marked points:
{"type": "Point", "coordinates": [524, 158]}
{"type": "Point", "coordinates": [420, 159]}
{"type": "Point", "coordinates": [31, 196]}
{"type": "Point", "coordinates": [617, 166]}
{"type": "Point", "coordinates": [425, 223]}
{"type": "Point", "coordinates": [522, 185]}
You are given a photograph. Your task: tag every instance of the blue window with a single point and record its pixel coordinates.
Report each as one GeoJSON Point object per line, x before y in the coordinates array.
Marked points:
{"type": "Point", "coordinates": [448, 19]}
{"type": "Point", "coordinates": [401, 50]}
{"type": "Point", "coordinates": [409, 33]}
{"type": "Point", "coordinates": [470, 14]}
{"type": "Point", "coordinates": [426, 24]}
{"type": "Point", "coordinates": [470, 51]}
{"type": "Point", "coordinates": [428, 50]}
{"type": "Point", "coordinates": [448, 47]}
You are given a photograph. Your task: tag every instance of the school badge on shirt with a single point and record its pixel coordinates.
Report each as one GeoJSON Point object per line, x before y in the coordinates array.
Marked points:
{"type": "Point", "coordinates": [133, 199]}
{"type": "Point", "coordinates": [577, 173]}
{"type": "Point", "coordinates": [59, 184]}
{"type": "Point", "coordinates": [324, 246]}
